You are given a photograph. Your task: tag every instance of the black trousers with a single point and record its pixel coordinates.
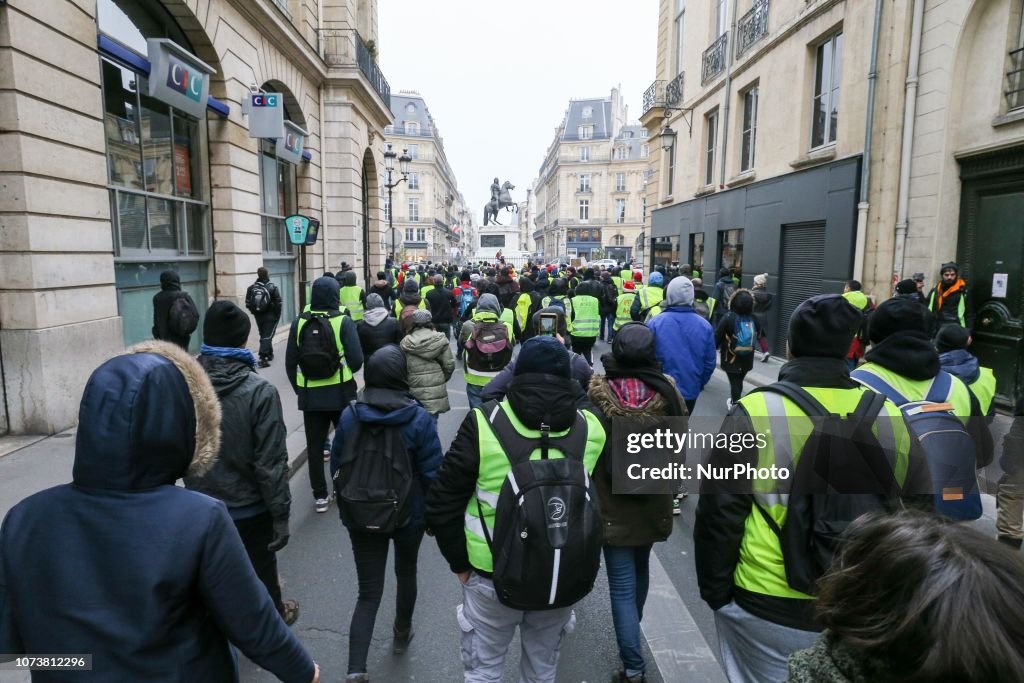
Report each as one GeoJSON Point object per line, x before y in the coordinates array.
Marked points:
{"type": "Point", "coordinates": [266, 325]}
{"type": "Point", "coordinates": [736, 385]}
{"type": "Point", "coordinates": [318, 425]}
{"type": "Point", "coordinates": [257, 533]}
{"type": "Point", "coordinates": [370, 552]}
{"type": "Point", "coordinates": [584, 346]}
{"type": "Point", "coordinates": [690, 403]}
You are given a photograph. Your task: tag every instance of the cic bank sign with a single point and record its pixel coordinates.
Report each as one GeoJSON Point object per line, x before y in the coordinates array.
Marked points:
{"type": "Point", "coordinates": [178, 77]}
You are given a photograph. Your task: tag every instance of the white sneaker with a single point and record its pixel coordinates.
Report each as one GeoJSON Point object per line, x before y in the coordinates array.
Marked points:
{"type": "Point", "coordinates": [322, 504]}
{"type": "Point", "coordinates": [765, 356]}
{"type": "Point", "coordinates": [728, 404]}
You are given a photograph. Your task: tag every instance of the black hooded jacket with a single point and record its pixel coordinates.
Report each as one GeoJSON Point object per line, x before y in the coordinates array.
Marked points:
{"type": "Point", "coordinates": [535, 399]}
{"type": "Point", "coordinates": [148, 577]}
{"type": "Point", "coordinates": [251, 471]}
{"type": "Point", "coordinates": [170, 289]}
{"type": "Point", "coordinates": [324, 297]}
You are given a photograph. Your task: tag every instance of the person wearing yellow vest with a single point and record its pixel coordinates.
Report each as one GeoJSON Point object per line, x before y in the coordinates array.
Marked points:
{"type": "Point", "coordinates": [623, 306]}
{"type": "Point", "coordinates": [322, 396]}
{"type": "Point", "coordinates": [648, 298]}
{"type": "Point", "coordinates": [903, 356]}
{"type": "Point", "coordinates": [462, 502]}
{"type": "Point", "coordinates": [352, 295]}
{"type": "Point", "coordinates": [584, 315]}
{"type": "Point", "coordinates": [950, 301]}
{"type": "Point", "coordinates": [478, 371]}
{"type": "Point", "coordinates": [856, 298]}
{"type": "Point", "coordinates": [409, 301]}
{"type": "Point", "coordinates": [951, 343]}
{"type": "Point", "coordinates": [557, 292]}
{"type": "Point", "coordinates": [741, 569]}
{"type": "Point", "coordinates": [525, 304]}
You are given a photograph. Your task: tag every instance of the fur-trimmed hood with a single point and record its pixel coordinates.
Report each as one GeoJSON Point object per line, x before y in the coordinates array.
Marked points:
{"type": "Point", "coordinates": [146, 418]}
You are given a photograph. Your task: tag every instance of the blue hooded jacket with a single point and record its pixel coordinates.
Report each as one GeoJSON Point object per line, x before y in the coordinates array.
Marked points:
{"type": "Point", "coordinates": [684, 341]}
{"type": "Point", "coordinates": [149, 578]}
{"type": "Point", "coordinates": [962, 364]}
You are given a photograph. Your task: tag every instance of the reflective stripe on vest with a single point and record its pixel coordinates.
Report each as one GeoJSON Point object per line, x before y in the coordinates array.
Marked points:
{"type": "Point", "coordinates": [350, 299]}
{"type": "Point", "coordinates": [495, 468]}
{"type": "Point", "coordinates": [622, 314]}
{"type": "Point", "coordinates": [984, 389]}
{"type": "Point", "coordinates": [651, 295]}
{"type": "Point", "coordinates": [761, 568]}
{"type": "Point", "coordinates": [344, 374]}
{"type": "Point", "coordinates": [587, 311]}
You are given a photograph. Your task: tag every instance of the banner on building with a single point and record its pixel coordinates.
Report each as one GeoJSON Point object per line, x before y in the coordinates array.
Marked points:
{"type": "Point", "coordinates": [289, 147]}
{"type": "Point", "coordinates": [266, 114]}
{"type": "Point", "coordinates": [178, 77]}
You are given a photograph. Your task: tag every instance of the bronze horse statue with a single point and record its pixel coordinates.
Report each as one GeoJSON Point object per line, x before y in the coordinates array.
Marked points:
{"type": "Point", "coordinates": [504, 201]}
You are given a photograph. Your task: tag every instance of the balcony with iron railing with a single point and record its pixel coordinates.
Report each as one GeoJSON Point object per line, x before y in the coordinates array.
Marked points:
{"type": "Point", "coordinates": [663, 94]}
{"type": "Point", "coordinates": [713, 62]}
{"type": "Point", "coordinates": [1015, 80]}
{"type": "Point", "coordinates": [752, 27]}
{"type": "Point", "coordinates": [344, 47]}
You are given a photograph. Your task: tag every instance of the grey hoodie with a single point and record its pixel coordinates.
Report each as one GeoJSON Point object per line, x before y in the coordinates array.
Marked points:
{"type": "Point", "coordinates": [375, 312]}
{"type": "Point", "coordinates": [679, 292]}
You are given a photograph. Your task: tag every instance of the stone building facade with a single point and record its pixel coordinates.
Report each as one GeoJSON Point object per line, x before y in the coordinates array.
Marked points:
{"type": "Point", "coordinates": [590, 191]}
{"type": "Point", "coordinates": [427, 205]}
{"type": "Point", "coordinates": [107, 179]}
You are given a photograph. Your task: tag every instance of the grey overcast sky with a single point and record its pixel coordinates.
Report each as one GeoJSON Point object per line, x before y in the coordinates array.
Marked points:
{"type": "Point", "coordinates": [497, 77]}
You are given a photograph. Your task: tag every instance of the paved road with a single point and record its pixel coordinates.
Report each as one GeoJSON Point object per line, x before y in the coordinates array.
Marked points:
{"type": "Point", "coordinates": [318, 571]}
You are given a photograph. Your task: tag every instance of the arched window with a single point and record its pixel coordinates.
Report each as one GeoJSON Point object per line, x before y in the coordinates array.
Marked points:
{"type": "Point", "coordinates": [618, 240]}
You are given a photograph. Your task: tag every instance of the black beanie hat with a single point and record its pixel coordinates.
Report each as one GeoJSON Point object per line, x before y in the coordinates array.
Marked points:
{"type": "Point", "coordinates": [952, 337]}
{"type": "Point", "coordinates": [226, 325]}
{"type": "Point", "coordinates": [907, 286]}
{"type": "Point", "coordinates": [897, 315]}
{"type": "Point", "coordinates": [543, 355]}
{"type": "Point", "coordinates": [634, 346]}
{"type": "Point", "coordinates": [824, 326]}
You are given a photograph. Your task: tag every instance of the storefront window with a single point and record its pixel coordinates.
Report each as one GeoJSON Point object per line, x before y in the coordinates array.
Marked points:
{"type": "Point", "coordinates": [731, 248]}
{"type": "Point", "coordinates": [277, 200]}
{"type": "Point", "coordinates": [665, 251]}
{"type": "Point", "coordinates": [697, 251]}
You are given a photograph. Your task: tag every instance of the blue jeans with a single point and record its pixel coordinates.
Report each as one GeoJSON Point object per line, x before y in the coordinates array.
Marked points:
{"type": "Point", "coordinates": [628, 580]}
{"type": "Point", "coordinates": [607, 321]}
{"type": "Point", "coordinates": [475, 395]}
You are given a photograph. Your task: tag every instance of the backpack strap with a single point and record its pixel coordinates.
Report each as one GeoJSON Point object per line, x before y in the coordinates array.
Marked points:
{"type": "Point", "coordinates": [809, 405]}
{"type": "Point", "coordinates": [518, 448]}
{"type": "Point", "coordinates": [876, 383]}
{"type": "Point", "coordinates": [941, 388]}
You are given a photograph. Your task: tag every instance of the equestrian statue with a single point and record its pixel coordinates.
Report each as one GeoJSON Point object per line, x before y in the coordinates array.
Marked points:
{"type": "Point", "coordinates": [501, 198]}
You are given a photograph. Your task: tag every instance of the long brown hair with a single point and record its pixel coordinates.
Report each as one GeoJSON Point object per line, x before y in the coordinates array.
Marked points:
{"type": "Point", "coordinates": [927, 599]}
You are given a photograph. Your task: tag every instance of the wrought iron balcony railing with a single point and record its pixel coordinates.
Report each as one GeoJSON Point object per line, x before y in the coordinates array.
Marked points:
{"type": "Point", "coordinates": [654, 96]}
{"type": "Point", "coordinates": [752, 27]}
{"type": "Point", "coordinates": [674, 91]}
{"type": "Point", "coordinates": [1015, 80]}
{"type": "Point", "coordinates": [345, 47]}
{"type": "Point", "coordinates": [714, 59]}
{"type": "Point", "coordinates": [663, 93]}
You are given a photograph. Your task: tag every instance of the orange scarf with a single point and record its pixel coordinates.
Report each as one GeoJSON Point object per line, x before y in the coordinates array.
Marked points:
{"type": "Point", "coordinates": [956, 286]}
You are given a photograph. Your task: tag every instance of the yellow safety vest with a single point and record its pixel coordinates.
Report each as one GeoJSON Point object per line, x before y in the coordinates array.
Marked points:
{"type": "Point", "coordinates": [495, 467]}
{"type": "Point", "coordinates": [761, 568]}
{"type": "Point", "coordinates": [344, 374]}
{"type": "Point", "coordinates": [351, 299]}
{"type": "Point", "coordinates": [622, 314]}
{"type": "Point", "coordinates": [984, 389]}
{"type": "Point", "coordinates": [585, 317]}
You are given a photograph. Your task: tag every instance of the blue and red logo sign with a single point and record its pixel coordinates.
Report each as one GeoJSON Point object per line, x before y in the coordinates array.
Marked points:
{"type": "Point", "coordinates": [262, 100]}
{"type": "Point", "coordinates": [183, 79]}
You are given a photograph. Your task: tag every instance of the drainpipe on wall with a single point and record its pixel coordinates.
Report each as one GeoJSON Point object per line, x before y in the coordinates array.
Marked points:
{"type": "Point", "coordinates": [731, 47]}
{"type": "Point", "coordinates": [909, 117]}
{"type": "Point", "coordinates": [323, 182]}
{"type": "Point", "coordinates": [865, 170]}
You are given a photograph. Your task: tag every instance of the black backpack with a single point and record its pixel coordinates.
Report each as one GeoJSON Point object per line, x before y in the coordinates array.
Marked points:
{"type": "Point", "coordinates": [374, 478]}
{"type": "Point", "coordinates": [318, 348]}
{"type": "Point", "coordinates": [548, 531]}
{"type": "Point", "coordinates": [182, 318]}
{"type": "Point", "coordinates": [842, 473]}
{"type": "Point", "coordinates": [259, 298]}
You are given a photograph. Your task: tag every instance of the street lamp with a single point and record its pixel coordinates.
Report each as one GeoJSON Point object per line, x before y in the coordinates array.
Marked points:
{"type": "Point", "coordinates": [668, 138]}
{"type": "Point", "coordinates": [389, 166]}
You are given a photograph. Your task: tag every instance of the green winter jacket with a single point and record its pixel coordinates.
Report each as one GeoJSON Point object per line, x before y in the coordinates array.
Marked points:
{"type": "Point", "coordinates": [430, 365]}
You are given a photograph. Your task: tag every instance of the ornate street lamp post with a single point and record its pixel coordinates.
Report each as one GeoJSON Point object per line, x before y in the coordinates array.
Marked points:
{"type": "Point", "coordinates": [389, 166]}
